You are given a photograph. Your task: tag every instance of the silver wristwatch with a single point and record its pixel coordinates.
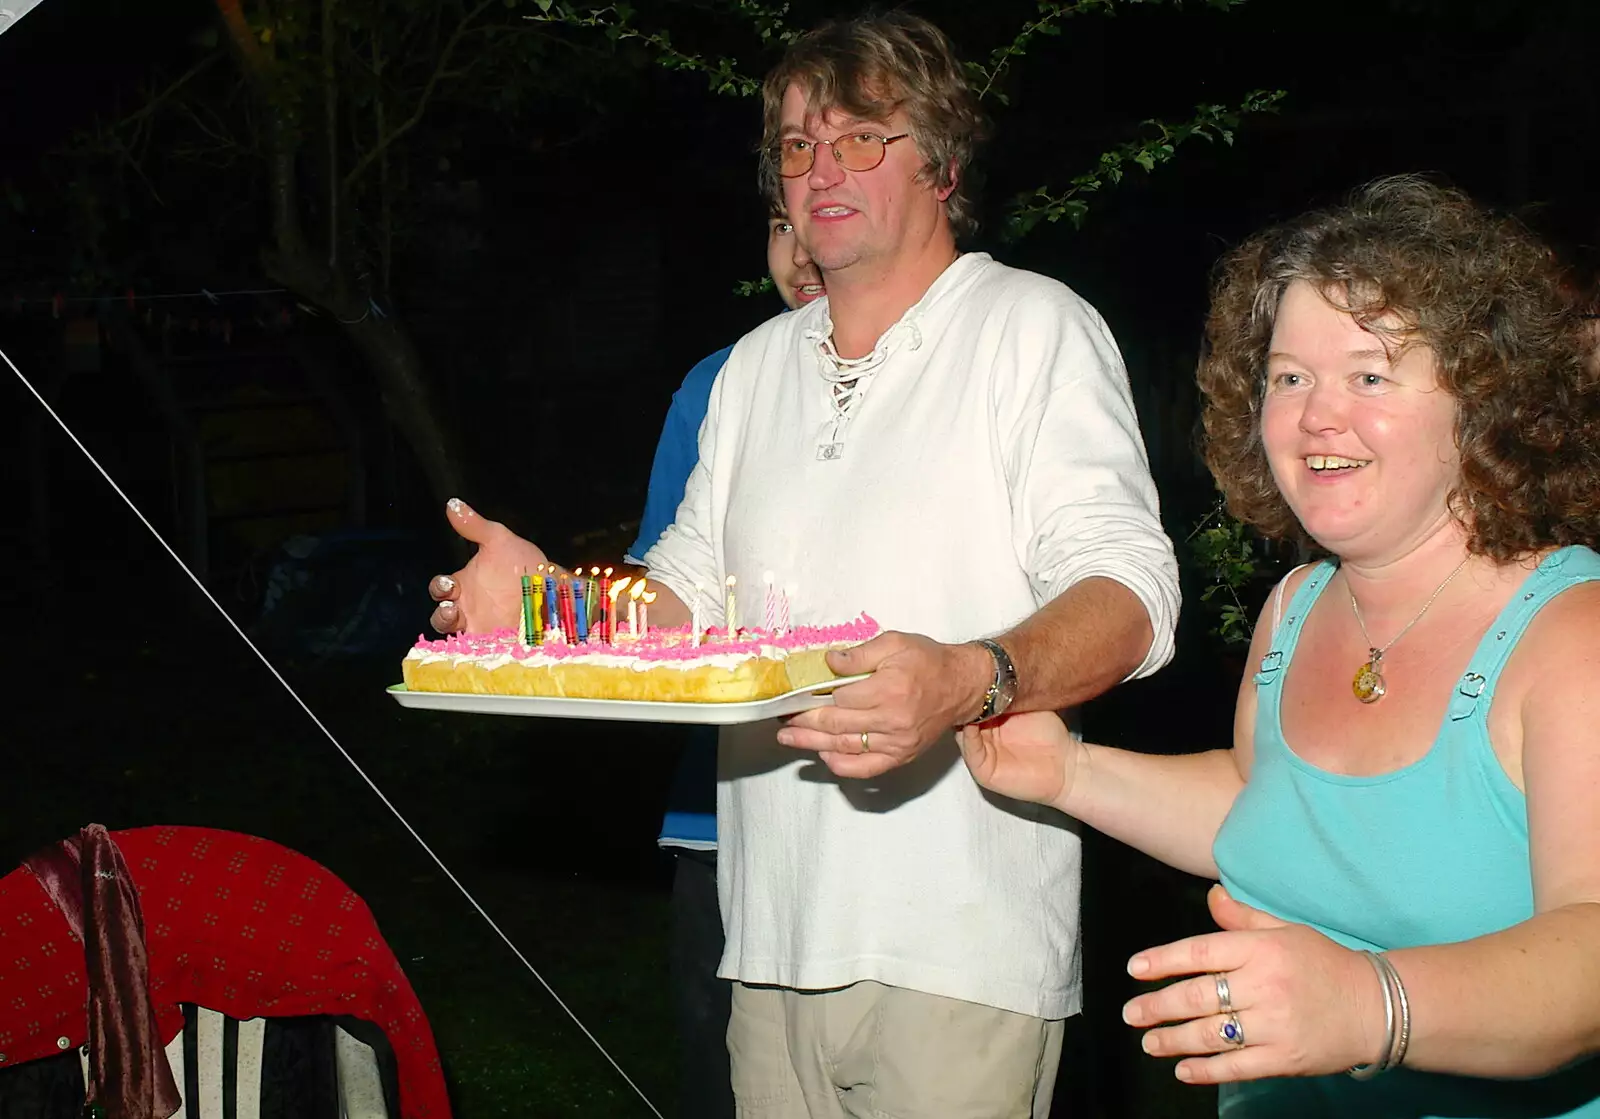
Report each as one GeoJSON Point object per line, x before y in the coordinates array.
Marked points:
{"type": "Point", "coordinates": [1003, 689]}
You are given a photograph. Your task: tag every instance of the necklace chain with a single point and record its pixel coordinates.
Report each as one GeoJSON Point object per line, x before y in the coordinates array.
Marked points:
{"type": "Point", "coordinates": [1377, 653]}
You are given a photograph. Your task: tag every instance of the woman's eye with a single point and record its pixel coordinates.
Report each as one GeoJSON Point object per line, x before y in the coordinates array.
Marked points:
{"type": "Point", "coordinates": [783, 229]}
{"type": "Point", "coordinates": [1286, 380]}
{"type": "Point", "coordinates": [1370, 380]}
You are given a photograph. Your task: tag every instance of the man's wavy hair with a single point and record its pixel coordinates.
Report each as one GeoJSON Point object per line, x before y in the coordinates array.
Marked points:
{"type": "Point", "coordinates": [869, 66]}
{"type": "Point", "coordinates": [1421, 264]}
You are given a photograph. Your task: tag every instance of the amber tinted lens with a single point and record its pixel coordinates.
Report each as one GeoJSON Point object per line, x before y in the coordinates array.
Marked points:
{"type": "Point", "coordinates": [859, 152]}
{"type": "Point", "coordinates": [794, 157]}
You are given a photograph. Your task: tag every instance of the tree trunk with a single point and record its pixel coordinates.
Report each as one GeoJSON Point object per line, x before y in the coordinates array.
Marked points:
{"type": "Point", "coordinates": [408, 400]}
{"type": "Point", "coordinates": [316, 277]}
{"type": "Point", "coordinates": [393, 357]}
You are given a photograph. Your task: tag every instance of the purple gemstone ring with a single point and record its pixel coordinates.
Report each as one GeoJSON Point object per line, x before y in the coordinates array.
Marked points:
{"type": "Point", "coordinates": [1231, 1031]}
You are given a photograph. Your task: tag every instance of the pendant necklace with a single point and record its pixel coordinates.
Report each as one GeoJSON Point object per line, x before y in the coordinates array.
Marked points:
{"type": "Point", "coordinates": [1369, 684]}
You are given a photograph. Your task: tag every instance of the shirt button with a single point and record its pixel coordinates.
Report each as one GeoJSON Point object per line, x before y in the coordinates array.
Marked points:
{"type": "Point", "coordinates": [63, 1043]}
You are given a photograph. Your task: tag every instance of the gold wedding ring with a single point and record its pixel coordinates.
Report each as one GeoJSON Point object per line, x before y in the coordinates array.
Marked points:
{"type": "Point", "coordinates": [866, 747]}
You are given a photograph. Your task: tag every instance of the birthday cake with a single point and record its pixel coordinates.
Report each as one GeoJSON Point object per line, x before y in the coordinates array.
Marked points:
{"type": "Point", "coordinates": [632, 661]}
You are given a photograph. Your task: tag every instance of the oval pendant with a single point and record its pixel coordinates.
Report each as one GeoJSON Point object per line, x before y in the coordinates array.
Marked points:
{"type": "Point", "coordinates": [1368, 684]}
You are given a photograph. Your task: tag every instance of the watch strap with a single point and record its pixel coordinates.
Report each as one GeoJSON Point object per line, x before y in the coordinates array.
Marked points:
{"type": "Point", "coordinates": [1002, 689]}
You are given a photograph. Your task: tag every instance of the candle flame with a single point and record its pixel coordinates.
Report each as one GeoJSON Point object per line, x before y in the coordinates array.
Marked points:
{"type": "Point", "coordinates": [648, 597]}
{"type": "Point", "coordinates": [617, 587]}
{"type": "Point", "coordinates": [731, 580]}
{"type": "Point", "coordinates": [608, 572]}
{"type": "Point", "coordinates": [638, 589]}
{"type": "Point", "coordinates": [593, 571]}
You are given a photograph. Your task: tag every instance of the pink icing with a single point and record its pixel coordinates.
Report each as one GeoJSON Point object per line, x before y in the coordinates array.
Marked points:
{"type": "Point", "coordinates": [659, 645]}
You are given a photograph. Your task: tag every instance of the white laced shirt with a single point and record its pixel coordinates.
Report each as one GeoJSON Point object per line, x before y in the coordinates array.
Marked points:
{"type": "Point", "coordinates": [981, 460]}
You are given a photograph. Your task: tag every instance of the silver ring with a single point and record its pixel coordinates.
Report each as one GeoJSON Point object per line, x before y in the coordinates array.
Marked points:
{"type": "Point", "coordinates": [866, 747]}
{"type": "Point", "coordinates": [1231, 1031]}
{"type": "Point", "coordinates": [1224, 996]}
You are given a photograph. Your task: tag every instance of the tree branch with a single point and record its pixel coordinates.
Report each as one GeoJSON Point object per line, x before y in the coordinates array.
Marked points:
{"type": "Point", "coordinates": [330, 98]}
{"type": "Point", "coordinates": [1052, 13]}
{"type": "Point", "coordinates": [721, 74]}
{"type": "Point", "coordinates": [1210, 122]}
{"type": "Point", "coordinates": [385, 214]}
{"type": "Point", "coordinates": [439, 72]}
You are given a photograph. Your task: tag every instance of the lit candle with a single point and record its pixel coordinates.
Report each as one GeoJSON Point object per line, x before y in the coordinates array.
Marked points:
{"type": "Point", "coordinates": [696, 622]}
{"type": "Point", "coordinates": [589, 592]}
{"type": "Point", "coordinates": [525, 629]}
{"type": "Point", "coordinates": [611, 605]}
{"type": "Point", "coordinates": [606, 633]}
{"type": "Point", "coordinates": [563, 602]}
{"type": "Point", "coordinates": [644, 611]}
{"type": "Point", "coordinates": [732, 612]}
{"type": "Point", "coordinates": [783, 608]}
{"type": "Point", "coordinates": [552, 600]}
{"type": "Point", "coordinates": [580, 610]}
{"type": "Point", "coordinates": [633, 607]}
{"type": "Point", "coordinates": [769, 616]}
{"type": "Point", "coordinates": [538, 611]}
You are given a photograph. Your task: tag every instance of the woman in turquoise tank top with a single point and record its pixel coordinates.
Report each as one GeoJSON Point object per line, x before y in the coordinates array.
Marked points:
{"type": "Point", "coordinates": [1407, 827]}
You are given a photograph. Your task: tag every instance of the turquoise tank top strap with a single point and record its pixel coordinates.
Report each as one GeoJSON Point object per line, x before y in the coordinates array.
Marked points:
{"type": "Point", "coordinates": [1288, 620]}
{"type": "Point", "coordinates": [1561, 569]}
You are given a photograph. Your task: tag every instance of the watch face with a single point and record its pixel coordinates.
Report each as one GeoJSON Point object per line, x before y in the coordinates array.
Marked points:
{"type": "Point", "coordinates": [1008, 692]}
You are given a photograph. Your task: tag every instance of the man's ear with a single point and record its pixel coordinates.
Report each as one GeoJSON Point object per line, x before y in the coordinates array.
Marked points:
{"type": "Point", "coordinates": [949, 188]}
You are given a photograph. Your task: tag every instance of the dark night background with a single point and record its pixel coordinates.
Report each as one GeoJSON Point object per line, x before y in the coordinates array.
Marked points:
{"type": "Point", "coordinates": [567, 260]}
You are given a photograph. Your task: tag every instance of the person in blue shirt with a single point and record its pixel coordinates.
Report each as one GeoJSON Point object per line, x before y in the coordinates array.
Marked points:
{"type": "Point", "coordinates": [701, 1001]}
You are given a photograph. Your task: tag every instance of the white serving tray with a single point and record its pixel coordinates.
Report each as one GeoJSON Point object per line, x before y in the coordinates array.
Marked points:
{"type": "Point", "coordinates": [627, 711]}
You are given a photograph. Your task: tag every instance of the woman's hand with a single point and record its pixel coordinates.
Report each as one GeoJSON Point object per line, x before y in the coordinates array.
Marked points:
{"type": "Point", "coordinates": [1304, 1005]}
{"type": "Point", "coordinates": [487, 593]}
{"type": "Point", "coordinates": [1027, 757]}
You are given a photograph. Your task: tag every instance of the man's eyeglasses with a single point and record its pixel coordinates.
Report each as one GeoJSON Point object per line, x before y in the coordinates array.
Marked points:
{"type": "Point", "coordinates": [855, 151]}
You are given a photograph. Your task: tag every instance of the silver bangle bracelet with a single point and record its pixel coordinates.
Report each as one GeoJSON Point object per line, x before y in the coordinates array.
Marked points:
{"type": "Point", "coordinates": [1402, 1039]}
{"type": "Point", "coordinates": [1368, 1071]}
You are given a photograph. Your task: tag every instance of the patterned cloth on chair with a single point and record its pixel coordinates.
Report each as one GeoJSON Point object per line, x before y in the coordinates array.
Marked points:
{"type": "Point", "coordinates": [232, 923]}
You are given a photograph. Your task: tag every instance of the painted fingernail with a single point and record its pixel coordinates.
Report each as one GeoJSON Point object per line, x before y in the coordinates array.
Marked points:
{"type": "Point", "coordinates": [1138, 965]}
{"type": "Point", "coordinates": [447, 605]}
{"type": "Point", "coordinates": [446, 584]}
{"type": "Point", "coordinates": [455, 505]}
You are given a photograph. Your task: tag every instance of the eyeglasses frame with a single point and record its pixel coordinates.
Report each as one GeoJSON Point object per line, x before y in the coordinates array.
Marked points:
{"type": "Point", "coordinates": [777, 152]}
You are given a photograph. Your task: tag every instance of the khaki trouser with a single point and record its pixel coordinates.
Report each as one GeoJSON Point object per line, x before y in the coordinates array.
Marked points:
{"type": "Point", "coordinates": [870, 1051]}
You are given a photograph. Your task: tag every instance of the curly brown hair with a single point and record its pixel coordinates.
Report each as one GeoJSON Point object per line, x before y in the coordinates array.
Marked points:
{"type": "Point", "coordinates": [869, 66]}
{"type": "Point", "coordinates": [1485, 295]}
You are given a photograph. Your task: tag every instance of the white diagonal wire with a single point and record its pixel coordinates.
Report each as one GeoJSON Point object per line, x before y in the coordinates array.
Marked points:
{"type": "Point", "coordinates": [387, 803]}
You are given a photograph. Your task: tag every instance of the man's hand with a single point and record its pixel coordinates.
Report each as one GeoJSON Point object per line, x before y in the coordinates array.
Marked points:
{"type": "Point", "coordinates": [919, 690]}
{"type": "Point", "coordinates": [487, 593]}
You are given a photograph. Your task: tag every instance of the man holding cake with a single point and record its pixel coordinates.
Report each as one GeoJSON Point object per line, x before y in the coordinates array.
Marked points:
{"type": "Point", "coordinates": [949, 445]}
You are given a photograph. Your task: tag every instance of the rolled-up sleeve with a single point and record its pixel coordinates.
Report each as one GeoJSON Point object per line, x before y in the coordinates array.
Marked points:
{"type": "Point", "coordinates": [1083, 502]}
